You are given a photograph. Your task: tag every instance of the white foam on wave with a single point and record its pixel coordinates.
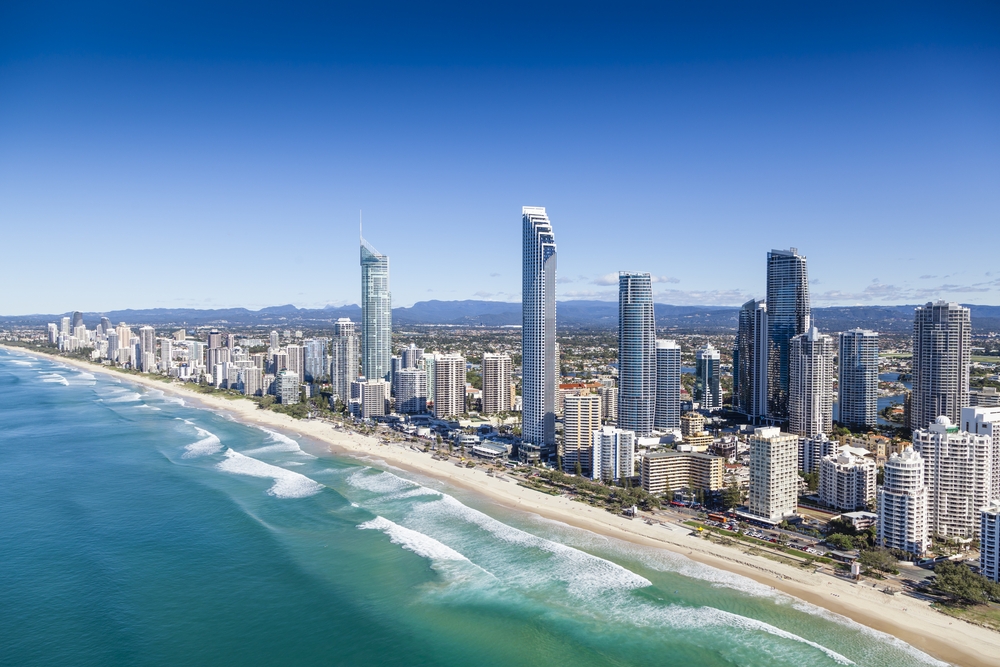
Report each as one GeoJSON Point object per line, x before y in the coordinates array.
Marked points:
{"type": "Point", "coordinates": [54, 378]}
{"type": "Point", "coordinates": [417, 542]}
{"type": "Point", "coordinates": [282, 444]}
{"type": "Point", "coordinates": [287, 484]}
{"type": "Point", "coordinates": [148, 407]}
{"type": "Point", "coordinates": [877, 635]}
{"type": "Point", "coordinates": [208, 443]}
{"type": "Point", "coordinates": [382, 482]}
{"type": "Point", "coordinates": [21, 362]}
{"type": "Point", "coordinates": [128, 397]}
{"type": "Point", "coordinates": [585, 576]}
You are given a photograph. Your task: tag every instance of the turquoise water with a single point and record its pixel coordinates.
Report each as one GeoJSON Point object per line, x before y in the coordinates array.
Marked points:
{"type": "Point", "coordinates": [137, 530]}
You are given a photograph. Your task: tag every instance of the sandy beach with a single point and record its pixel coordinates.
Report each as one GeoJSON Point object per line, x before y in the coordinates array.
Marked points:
{"type": "Point", "coordinates": [906, 618]}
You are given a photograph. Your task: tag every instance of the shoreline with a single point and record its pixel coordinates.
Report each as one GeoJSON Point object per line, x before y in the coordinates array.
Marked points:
{"type": "Point", "coordinates": [905, 618]}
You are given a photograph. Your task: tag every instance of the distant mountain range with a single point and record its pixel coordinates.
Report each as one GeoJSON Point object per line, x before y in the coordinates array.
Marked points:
{"type": "Point", "coordinates": [570, 314]}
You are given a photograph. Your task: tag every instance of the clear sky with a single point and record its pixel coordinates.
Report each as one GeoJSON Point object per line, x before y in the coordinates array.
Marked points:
{"type": "Point", "coordinates": [207, 154]}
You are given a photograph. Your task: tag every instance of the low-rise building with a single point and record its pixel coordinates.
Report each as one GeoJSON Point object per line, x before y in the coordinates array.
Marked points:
{"type": "Point", "coordinates": [673, 471]}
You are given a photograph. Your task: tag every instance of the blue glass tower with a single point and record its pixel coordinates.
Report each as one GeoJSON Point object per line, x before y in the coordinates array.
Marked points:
{"type": "Point", "coordinates": [636, 353]}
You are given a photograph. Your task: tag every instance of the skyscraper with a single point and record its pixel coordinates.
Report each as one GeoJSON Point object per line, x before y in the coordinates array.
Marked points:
{"type": "Point", "coordinates": [810, 395]}
{"type": "Point", "coordinates": [668, 385]}
{"type": "Point", "coordinates": [707, 390]}
{"type": "Point", "coordinates": [315, 359]}
{"type": "Point", "coordinates": [538, 334]}
{"type": "Point", "coordinates": [902, 504]}
{"type": "Point", "coordinates": [636, 353]}
{"type": "Point", "coordinates": [858, 386]}
{"type": "Point", "coordinates": [411, 355]}
{"type": "Point", "coordinates": [613, 454]}
{"type": "Point", "coordinates": [787, 316]}
{"type": "Point", "coordinates": [496, 369]}
{"type": "Point", "coordinates": [77, 320]}
{"type": "Point", "coordinates": [147, 343]}
{"type": "Point", "coordinates": [411, 391]}
{"type": "Point", "coordinates": [750, 361]}
{"type": "Point", "coordinates": [449, 380]}
{"type": "Point", "coordinates": [959, 475]}
{"type": "Point", "coordinates": [941, 348]}
{"type": "Point", "coordinates": [344, 360]}
{"type": "Point", "coordinates": [376, 313]}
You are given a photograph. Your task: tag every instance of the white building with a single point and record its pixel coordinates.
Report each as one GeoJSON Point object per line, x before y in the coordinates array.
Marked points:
{"type": "Point", "coordinates": [609, 403]}
{"type": "Point", "coordinates": [815, 449]}
{"type": "Point", "coordinates": [449, 385]}
{"type": "Point", "coordinates": [774, 474]}
{"type": "Point", "coordinates": [411, 391]}
{"type": "Point", "coordinates": [582, 416]}
{"type": "Point", "coordinates": [166, 354]}
{"type": "Point", "coordinates": [251, 381]}
{"type": "Point", "coordinates": [496, 369]}
{"type": "Point", "coordinates": [986, 421]}
{"type": "Point", "coordinates": [959, 474]}
{"type": "Point", "coordinates": [286, 387]}
{"type": "Point", "coordinates": [539, 365]}
{"type": "Point", "coordinates": [613, 454]}
{"type": "Point", "coordinates": [847, 482]}
{"type": "Point", "coordinates": [989, 540]}
{"type": "Point", "coordinates": [902, 504]}
{"type": "Point", "coordinates": [343, 359]}
{"type": "Point", "coordinates": [810, 384]}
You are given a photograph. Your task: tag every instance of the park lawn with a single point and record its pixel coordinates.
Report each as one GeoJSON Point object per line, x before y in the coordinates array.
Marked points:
{"type": "Point", "coordinates": [986, 615]}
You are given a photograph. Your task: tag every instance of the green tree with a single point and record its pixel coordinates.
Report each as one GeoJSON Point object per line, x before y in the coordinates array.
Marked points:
{"type": "Point", "coordinates": [880, 560]}
{"type": "Point", "coordinates": [732, 496]}
{"type": "Point", "coordinates": [840, 541]}
{"type": "Point", "coordinates": [579, 470]}
{"type": "Point", "coordinates": [963, 584]}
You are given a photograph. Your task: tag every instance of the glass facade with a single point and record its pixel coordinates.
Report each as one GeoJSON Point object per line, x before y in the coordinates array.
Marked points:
{"type": "Point", "coordinates": [538, 335]}
{"type": "Point", "coordinates": [376, 314]}
{"type": "Point", "coordinates": [788, 316]}
{"type": "Point", "coordinates": [636, 353]}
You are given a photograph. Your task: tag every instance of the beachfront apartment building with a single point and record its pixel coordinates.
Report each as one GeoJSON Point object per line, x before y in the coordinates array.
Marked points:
{"type": "Point", "coordinates": [989, 541]}
{"type": "Point", "coordinates": [667, 411]}
{"type": "Point", "coordinates": [810, 386]}
{"type": "Point", "coordinates": [411, 391]}
{"type": "Point", "coordinates": [613, 454]}
{"type": "Point", "coordinates": [286, 387]}
{"type": "Point", "coordinates": [496, 373]}
{"type": "Point", "coordinates": [665, 472]}
{"type": "Point", "coordinates": [449, 385]}
{"type": "Point", "coordinates": [847, 481]}
{"type": "Point", "coordinates": [902, 504]}
{"type": "Point", "coordinates": [942, 342]}
{"type": "Point", "coordinates": [959, 475]}
{"type": "Point", "coordinates": [636, 353]}
{"type": "Point", "coordinates": [581, 417]}
{"type": "Point", "coordinates": [774, 474]}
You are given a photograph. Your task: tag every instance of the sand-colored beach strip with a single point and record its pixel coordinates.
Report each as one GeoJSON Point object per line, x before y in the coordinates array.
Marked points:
{"type": "Point", "coordinates": [904, 617]}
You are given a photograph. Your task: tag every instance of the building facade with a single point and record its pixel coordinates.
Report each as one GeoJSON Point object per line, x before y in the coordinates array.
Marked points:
{"type": "Point", "coordinates": [774, 474]}
{"type": "Point", "coordinates": [636, 353]}
{"type": "Point", "coordinates": [286, 387]}
{"type": "Point", "coordinates": [989, 540]}
{"type": "Point", "coordinates": [449, 385]}
{"type": "Point", "coordinates": [810, 393]}
{"type": "Point", "coordinates": [788, 316]}
{"type": "Point", "coordinates": [613, 454]}
{"type": "Point", "coordinates": [411, 391]}
{"type": "Point", "coordinates": [609, 404]}
{"type": "Point", "coordinates": [941, 348]}
{"type": "Point", "coordinates": [496, 369]}
{"type": "Point", "coordinates": [667, 415]}
{"type": "Point", "coordinates": [750, 362]}
{"type": "Point", "coordinates": [582, 416]}
{"type": "Point", "coordinates": [858, 378]}
{"type": "Point", "coordinates": [707, 387]}
{"type": "Point", "coordinates": [959, 475]}
{"type": "Point", "coordinates": [902, 504]}
{"type": "Point", "coordinates": [815, 449]}
{"type": "Point", "coordinates": [669, 471]}
{"type": "Point", "coordinates": [344, 358]}
{"type": "Point", "coordinates": [847, 482]}
{"type": "Point", "coordinates": [376, 313]}
{"type": "Point", "coordinates": [539, 370]}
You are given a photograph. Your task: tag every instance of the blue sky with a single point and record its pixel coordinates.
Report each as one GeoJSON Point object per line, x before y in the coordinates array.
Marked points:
{"type": "Point", "coordinates": [218, 154]}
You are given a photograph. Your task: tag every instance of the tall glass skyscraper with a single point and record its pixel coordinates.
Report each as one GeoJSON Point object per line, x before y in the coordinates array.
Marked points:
{"type": "Point", "coordinates": [750, 361]}
{"type": "Point", "coordinates": [538, 335]}
{"type": "Point", "coordinates": [636, 353]}
{"type": "Point", "coordinates": [376, 314]}
{"type": "Point", "coordinates": [941, 349]}
{"type": "Point", "coordinates": [707, 390]}
{"type": "Point", "coordinates": [668, 385]}
{"type": "Point", "coordinates": [344, 361]}
{"type": "Point", "coordinates": [787, 316]}
{"type": "Point", "coordinates": [858, 385]}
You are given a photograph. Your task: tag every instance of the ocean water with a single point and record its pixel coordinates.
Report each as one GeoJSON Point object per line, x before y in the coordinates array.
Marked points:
{"type": "Point", "coordinates": [138, 530]}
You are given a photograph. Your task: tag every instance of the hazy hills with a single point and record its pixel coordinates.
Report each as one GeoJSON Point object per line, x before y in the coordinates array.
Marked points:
{"type": "Point", "coordinates": [571, 314]}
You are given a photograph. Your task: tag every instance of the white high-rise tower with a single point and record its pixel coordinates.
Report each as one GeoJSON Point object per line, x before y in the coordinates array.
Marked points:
{"type": "Point", "coordinates": [538, 335]}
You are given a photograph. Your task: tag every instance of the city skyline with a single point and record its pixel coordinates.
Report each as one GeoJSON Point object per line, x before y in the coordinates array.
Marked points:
{"type": "Point", "coordinates": [765, 132]}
